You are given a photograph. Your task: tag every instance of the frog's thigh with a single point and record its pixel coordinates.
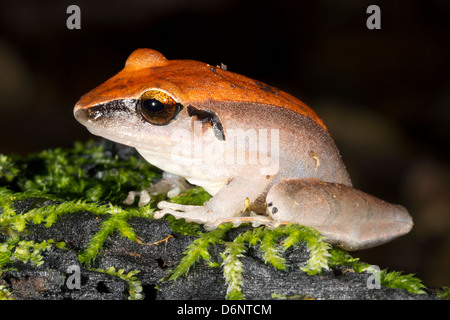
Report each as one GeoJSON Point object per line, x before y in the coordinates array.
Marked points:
{"type": "Point", "coordinates": [345, 216]}
{"type": "Point", "coordinates": [228, 202]}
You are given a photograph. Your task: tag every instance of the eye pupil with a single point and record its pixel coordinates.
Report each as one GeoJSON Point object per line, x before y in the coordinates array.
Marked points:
{"type": "Point", "coordinates": [153, 105]}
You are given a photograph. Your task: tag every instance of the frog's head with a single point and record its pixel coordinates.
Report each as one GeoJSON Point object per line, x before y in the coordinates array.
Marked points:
{"type": "Point", "coordinates": [140, 106]}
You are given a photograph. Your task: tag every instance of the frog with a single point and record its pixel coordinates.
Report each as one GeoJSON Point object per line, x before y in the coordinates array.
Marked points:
{"type": "Point", "coordinates": [264, 156]}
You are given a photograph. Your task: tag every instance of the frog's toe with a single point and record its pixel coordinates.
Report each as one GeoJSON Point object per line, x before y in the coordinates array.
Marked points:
{"type": "Point", "coordinates": [144, 198]}
{"type": "Point", "coordinates": [164, 205]}
{"type": "Point", "coordinates": [174, 192]}
{"type": "Point", "coordinates": [143, 195]}
{"type": "Point", "coordinates": [130, 198]}
{"type": "Point", "coordinates": [165, 209]}
{"type": "Point", "coordinates": [159, 214]}
{"type": "Point", "coordinates": [189, 213]}
{"type": "Point", "coordinates": [175, 214]}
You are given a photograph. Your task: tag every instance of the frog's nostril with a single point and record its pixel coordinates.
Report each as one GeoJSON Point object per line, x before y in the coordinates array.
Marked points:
{"type": "Point", "coordinates": [83, 115]}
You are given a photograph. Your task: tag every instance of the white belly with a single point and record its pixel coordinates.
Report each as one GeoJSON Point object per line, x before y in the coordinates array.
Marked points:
{"type": "Point", "coordinates": [187, 168]}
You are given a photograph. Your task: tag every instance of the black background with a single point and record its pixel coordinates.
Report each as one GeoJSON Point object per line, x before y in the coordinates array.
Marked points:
{"type": "Point", "coordinates": [384, 94]}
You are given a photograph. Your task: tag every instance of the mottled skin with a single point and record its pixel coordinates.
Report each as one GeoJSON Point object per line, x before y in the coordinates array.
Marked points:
{"type": "Point", "coordinates": [298, 178]}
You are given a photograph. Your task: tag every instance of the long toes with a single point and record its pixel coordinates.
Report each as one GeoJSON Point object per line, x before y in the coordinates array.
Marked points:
{"type": "Point", "coordinates": [173, 206]}
{"type": "Point", "coordinates": [130, 198]}
{"type": "Point", "coordinates": [144, 199]}
{"type": "Point", "coordinates": [209, 227]}
{"type": "Point", "coordinates": [175, 214]}
{"type": "Point", "coordinates": [174, 192]}
{"type": "Point", "coordinates": [128, 201]}
{"type": "Point", "coordinates": [163, 205]}
{"type": "Point", "coordinates": [159, 214]}
{"type": "Point", "coordinates": [143, 195]}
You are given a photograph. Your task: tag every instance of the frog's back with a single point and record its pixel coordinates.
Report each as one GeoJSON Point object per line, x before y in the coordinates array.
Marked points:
{"type": "Point", "coordinates": [310, 152]}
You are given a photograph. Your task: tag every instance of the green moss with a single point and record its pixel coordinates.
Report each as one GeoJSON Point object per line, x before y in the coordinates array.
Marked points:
{"type": "Point", "coordinates": [84, 178]}
{"type": "Point", "coordinates": [15, 249]}
{"type": "Point", "coordinates": [317, 247]}
{"type": "Point", "coordinates": [195, 196]}
{"type": "Point", "coordinates": [444, 293]}
{"type": "Point", "coordinates": [48, 214]}
{"type": "Point", "coordinates": [85, 171]}
{"type": "Point", "coordinates": [233, 268]}
{"type": "Point", "coordinates": [117, 220]}
{"type": "Point", "coordinates": [271, 250]}
{"type": "Point", "coordinates": [8, 169]}
{"type": "Point", "coordinates": [199, 249]}
{"type": "Point", "coordinates": [268, 243]}
{"type": "Point", "coordinates": [393, 279]}
{"type": "Point", "coordinates": [5, 293]}
{"type": "Point", "coordinates": [134, 286]}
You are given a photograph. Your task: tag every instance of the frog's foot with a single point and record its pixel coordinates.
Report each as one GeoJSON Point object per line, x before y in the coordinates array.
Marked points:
{"type": "Point", "coordinates": [205, 216]}
{"type": "Point", "coordinates": [170, 184]}
{"type": "Point", "coordinates": [199, 214]}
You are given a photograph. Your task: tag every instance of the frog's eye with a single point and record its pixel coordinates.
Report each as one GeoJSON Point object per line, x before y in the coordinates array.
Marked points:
{"type": "Point", "coordinates": [157, 107]}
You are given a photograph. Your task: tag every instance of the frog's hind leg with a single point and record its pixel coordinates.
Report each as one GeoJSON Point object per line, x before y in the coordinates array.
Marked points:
{"type": "Point", "coordinates": [230, 202]}
{"type": "Point", "coordinates": [346, 216]}
{"type": "Point", "coordinates": [200, 214]}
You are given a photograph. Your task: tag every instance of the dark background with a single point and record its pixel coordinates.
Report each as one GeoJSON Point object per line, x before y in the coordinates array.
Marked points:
{"type": "Point", "coordinates": [384, 94]}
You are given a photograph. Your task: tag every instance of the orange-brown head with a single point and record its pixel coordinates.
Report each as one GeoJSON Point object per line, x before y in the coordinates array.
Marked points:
{"type": "Point", "coordinates": [187, 82]}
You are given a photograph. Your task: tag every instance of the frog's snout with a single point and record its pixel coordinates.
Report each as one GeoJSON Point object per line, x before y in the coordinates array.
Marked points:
{"type": "Point", "coordinates": [82, 115]}
{"type": "Point", "coordinates": [88, 115]}
{"type": "Point", "coordinates": [115, 109]}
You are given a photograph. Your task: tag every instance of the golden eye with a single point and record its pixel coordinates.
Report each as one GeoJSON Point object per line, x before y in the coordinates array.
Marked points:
{"type": "Point", "coordinates": [157, 107]}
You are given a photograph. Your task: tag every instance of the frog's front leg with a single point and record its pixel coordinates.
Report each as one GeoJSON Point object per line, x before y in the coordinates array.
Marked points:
{"type": "Point", "coordinates": [227, 203]}
{"type": "Point", "coordinates": [170, 184]}
{"type": "Point", "coordinates": [346, 216]}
